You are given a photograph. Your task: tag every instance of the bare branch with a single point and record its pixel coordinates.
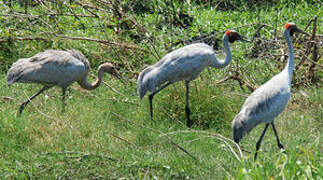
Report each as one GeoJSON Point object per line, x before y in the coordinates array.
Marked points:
{"type": "Point", "coordinates": [82, 154]}
{"type": "Point", "coordinates": [115, 136]}
{"type": "Point", "coordinates": [75, 38]}
{"type": "Point", "coordinates": [102, 41]}
{"type": "Point", "coordinates": [217, 136]}
{"type": "Point", "coordinates": [23, 39]}
{"type": "Point", "coordinates": [47, 14]}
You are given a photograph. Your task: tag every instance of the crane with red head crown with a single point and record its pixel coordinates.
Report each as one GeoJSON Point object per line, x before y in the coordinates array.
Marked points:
{"type": "Point", "coordinates": [186, 64]}
{"type": "Point", "coordinates": [269, 100]}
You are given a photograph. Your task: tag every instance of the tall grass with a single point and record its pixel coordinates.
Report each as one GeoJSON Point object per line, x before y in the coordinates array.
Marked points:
{"type": "Point", "coordinates": [108, 135]}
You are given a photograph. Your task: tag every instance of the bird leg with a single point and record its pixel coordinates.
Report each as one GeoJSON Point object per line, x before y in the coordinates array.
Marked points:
{"type": "Point", "coordinates": [24, 104]}
{"type": "Point", "coordinates": [187, 109]}
{"type": "Point", "coordinates": [151, 96]}
{"type": "Point", "coordinates": [260, 140]}
{"type": "Point", "coordinates": [280, 146]}
{"type": "Point", "coordinates": [63, 98]}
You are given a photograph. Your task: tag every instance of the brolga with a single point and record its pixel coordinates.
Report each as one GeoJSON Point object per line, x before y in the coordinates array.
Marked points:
{"type": "Point", "coordinates": [184, 64]}
{"type": "Point", "coordinates": [56, 68]}
{"type": "Point", "coordinates": [269, 100]}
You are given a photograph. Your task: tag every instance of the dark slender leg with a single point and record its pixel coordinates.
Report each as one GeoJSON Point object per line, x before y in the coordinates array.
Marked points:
{"type": "Point", "coordinates": [260, 140]}
{"type": "Point", "coordinates": [24, 104]}
{"type": "Point", "coordinates": [63, 98]}
{"type": "Point", "coordinates": [280, 146]}
{"type": "Point", "coordinates": [187, 109]}
{"type": "Point", "coordinates": [151, 96]}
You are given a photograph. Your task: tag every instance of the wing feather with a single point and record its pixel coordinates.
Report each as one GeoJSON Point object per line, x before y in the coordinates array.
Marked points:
{"type": "Point", "coordinates": [48, 67]}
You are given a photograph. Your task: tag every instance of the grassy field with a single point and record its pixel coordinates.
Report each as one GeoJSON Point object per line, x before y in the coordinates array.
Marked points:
{"type": "Point", "coordinates": [107, 133]}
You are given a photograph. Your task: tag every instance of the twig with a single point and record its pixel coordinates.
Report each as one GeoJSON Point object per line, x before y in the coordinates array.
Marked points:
{"type": "Point", "coordinates": [257, 33]}
{"type": "Point", "coordinates": [47, 14]}
{"type": "Point", "coordinates": [160, 132]}
{"type": "Point", "coordinates": [102, 41]}
{"type": "Point", "coordinates": [310, 60]}
{"type": "Point", "coordinates": [73, 38]}
{"type": "Point", "coordinates": [174, 119]}
{"type": "Point", "coordinates": [87, 6]}
{"type": "Point", "coordinates": [239, 79]}
{"type": "Point", "coordinates": [310, 73]}
{"type": "Point", "coordinates": [48, 9]}
{"type": "Point", "coordinates": [83, 154]}
{"type": "Point", "coordinates": [114, 90]}
{"type": "Point", "coordinates": [91, 12]}
{"type": "Point", "coordinates": [6, 98]}
{"type": "Point", "coordinates": [309, 23]}
{"type": "Point", "coordinates": [23, 39]}
{"type": "Point", "coordinates": [218, 136]}
{"type": "Point", "coordinates": [115, 136]}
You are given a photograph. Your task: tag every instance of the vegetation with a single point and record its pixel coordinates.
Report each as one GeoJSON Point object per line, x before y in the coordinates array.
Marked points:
{"type": "Point", "coordinates": [107, 133]}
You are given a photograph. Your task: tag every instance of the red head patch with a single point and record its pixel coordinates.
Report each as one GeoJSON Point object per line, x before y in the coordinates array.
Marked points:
{"type": "Point", "coordinates": [288, 25]}
{"type": "Point", "coordinates": [228, 32]}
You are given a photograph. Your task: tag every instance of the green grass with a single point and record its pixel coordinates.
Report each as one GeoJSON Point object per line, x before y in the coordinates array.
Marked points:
{"type": "Point", "coordinates": [108, 135]}
{"type": "Point", "coordinates": [90, 141]}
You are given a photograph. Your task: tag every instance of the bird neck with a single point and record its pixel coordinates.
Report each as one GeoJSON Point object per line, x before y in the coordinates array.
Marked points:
{"type": "Point", "coordinates": [222, 63]}
{"type": "Point", "coordinates": [290, 64]}
{"type": "Point", "coordinates": [90, 86]}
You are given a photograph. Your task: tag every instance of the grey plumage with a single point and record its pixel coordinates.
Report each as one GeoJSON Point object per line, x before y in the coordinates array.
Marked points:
{"type": "Point", "coordinates": [268, 101]}
{"type": "Point", "coordinates": [55, 68]}
{"type": "Point", "coordinates": [51, 67]}
{"type": "Point", "coordinates": [263, 105]}
{"type": "Point", "coordinates": [185, 64]}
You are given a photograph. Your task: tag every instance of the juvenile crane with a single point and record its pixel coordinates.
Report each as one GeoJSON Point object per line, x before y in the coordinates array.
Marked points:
{"type": "Point", "coordinates": [269, 100]}
{"type": "Point", "coordinates": [185, 64]}
{"type": "Point", "coordinates": [56, 68]}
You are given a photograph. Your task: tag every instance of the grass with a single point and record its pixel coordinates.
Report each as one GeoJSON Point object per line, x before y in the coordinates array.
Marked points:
{"type": "Point", "coordinates": [108, 135]}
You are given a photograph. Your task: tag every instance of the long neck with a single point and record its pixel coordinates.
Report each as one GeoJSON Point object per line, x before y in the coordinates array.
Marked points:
{"type": "Point", "coordinates": [222, 63]}
{"type": "Point", "coordinates": [290, 64]}
{"type": "Point", "coordinates": [90, 86]}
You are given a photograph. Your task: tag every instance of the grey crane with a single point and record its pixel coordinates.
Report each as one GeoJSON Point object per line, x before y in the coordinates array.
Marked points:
{"type": "Point", "coordinates": [56, 68]}
{"type": "Point", "coordinates": [185, 64]}
{"type": "Point", "coordinates": [269, 100]}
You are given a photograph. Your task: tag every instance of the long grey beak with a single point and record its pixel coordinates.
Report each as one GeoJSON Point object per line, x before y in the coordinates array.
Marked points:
{"type": "Point", "coordinates": [244, 39]}
{"type": "Point", "coordinates": [118, 76]}
{"type": "Point", "coordinates": [303, 32]}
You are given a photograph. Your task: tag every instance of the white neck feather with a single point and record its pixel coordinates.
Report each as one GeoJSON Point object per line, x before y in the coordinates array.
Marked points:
{"type": "Point", "coordinates": [290, 64]}
{"type": "Point", "coordinates": [222, 63]}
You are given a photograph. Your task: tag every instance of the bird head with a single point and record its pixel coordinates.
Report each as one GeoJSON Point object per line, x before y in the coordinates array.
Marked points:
{"type": "Point", "coordinates": [237, 133]}
{"type": "Point", "coordinates": [292, 28]}
{"type": "Point", "coordinates": [239, 128]}
{"type": "Point", "coordinates": [141, 90]}
{"type": "Point", "coordinates": [234, 36]}
{"type": "Point", "coordinates": [110, 68]}
{"type": "Point", "coordinates": [144, 85]}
